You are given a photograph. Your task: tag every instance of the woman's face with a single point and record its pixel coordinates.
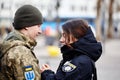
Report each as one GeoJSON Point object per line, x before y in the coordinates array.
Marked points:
{"type": "Point", "coordinates": [67, 39]}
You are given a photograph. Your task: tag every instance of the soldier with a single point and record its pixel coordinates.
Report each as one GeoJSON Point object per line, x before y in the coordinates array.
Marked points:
{"type": "Point", "coordinates": [18, 62]}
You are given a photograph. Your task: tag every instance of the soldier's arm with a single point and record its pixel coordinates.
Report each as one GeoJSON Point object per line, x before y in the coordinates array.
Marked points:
{"type": "Point", "coordinates": [23, 63]}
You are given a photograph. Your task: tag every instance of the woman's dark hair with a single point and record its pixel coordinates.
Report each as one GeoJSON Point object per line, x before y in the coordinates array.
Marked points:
{"type": "Point", "coordinates": [75, 27]}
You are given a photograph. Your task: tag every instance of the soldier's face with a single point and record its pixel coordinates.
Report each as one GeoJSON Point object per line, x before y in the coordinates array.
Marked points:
{"type": "Point", "coordinates": [34, 31]}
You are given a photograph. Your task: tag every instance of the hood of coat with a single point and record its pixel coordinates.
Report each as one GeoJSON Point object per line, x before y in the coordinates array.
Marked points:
{"type": "Point", "coordinates": [87, 45]}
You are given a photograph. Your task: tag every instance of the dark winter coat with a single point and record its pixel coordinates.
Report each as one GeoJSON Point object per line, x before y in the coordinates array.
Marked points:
{"type": "Point", "coordinates": [77, 63]}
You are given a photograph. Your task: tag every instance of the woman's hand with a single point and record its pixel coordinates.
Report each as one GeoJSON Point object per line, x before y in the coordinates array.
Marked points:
{"type": "Point", "coordinates": [44, 67]}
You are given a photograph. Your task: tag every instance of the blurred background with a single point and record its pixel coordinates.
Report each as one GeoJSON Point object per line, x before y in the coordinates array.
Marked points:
{"type": "Point", "coordinates": [103, 17]}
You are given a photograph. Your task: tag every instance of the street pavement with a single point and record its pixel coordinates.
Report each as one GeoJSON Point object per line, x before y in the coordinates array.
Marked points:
{"type": "Point", "coordinates": [108, 66]}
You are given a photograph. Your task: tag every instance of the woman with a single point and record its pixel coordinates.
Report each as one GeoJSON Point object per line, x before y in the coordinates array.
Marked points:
{"type": "Point", "coordinates": [79, 51]}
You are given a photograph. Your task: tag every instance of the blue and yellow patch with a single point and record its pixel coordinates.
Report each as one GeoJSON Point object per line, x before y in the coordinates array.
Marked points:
{"type": "Point", "coordinates": [28, 68]}
{"type": "Point", "coordinates": [29, 73]}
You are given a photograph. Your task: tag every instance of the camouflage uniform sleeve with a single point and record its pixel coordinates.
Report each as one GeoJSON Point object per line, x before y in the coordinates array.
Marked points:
{"type": "Point", "coordinates": [23, 63]}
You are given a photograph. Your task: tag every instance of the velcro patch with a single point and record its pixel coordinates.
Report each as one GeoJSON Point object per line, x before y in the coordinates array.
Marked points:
{"type": "Point", "coordinates": [29, 73]}
{"type": "Point", "coordinates": [68, 67]}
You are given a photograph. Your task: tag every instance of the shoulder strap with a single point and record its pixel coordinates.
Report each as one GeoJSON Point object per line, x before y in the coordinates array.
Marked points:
{"type": "Point", "coordinates": [8, 50]}
{"type": "Point", "coordinates": [5, 53]}
{"type": "Point", "coordinates": [94, 76]}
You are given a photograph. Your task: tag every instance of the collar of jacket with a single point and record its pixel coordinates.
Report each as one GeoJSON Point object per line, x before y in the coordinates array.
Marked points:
{"type": "Point", "coordinates": [31, 43]}
{"type": "Point", "coordinates": [69, 53]}
{"type": "Point", "coordinates": [16, 35]}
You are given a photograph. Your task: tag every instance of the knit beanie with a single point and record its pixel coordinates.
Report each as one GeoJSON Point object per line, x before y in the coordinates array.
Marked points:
{"type": "Point", "coordinates": [27, 16]}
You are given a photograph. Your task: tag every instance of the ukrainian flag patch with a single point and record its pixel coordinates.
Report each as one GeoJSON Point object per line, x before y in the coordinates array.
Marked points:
{"type": "Point", "coordinates": [29, 73]}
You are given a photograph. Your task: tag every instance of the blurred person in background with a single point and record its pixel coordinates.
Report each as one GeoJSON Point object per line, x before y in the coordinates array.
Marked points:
{"type": "Point", "coordinates": [80, 51]}
{"type": "Point", "coordinates": [18, 61]}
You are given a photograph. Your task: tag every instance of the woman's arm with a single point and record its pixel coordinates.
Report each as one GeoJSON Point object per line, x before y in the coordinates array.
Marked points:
{"type": "Point", "coordinates": [47, 73]}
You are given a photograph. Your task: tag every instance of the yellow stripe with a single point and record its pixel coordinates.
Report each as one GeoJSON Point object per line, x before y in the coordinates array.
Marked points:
{"type": "Point", "coordinates": [73, 66]}
{"type": "Point", "coordinates": [28, 69]}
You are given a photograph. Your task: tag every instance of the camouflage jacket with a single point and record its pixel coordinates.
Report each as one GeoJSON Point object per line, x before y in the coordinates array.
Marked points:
{"type": "Point", "coordinates": [18, 62]}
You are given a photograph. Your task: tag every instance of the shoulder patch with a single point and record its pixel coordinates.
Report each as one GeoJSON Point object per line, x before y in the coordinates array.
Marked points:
{"type": "Point", "coordinates": [29, 73]}
{"type": "Point", "coordinates": [68, 67]}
